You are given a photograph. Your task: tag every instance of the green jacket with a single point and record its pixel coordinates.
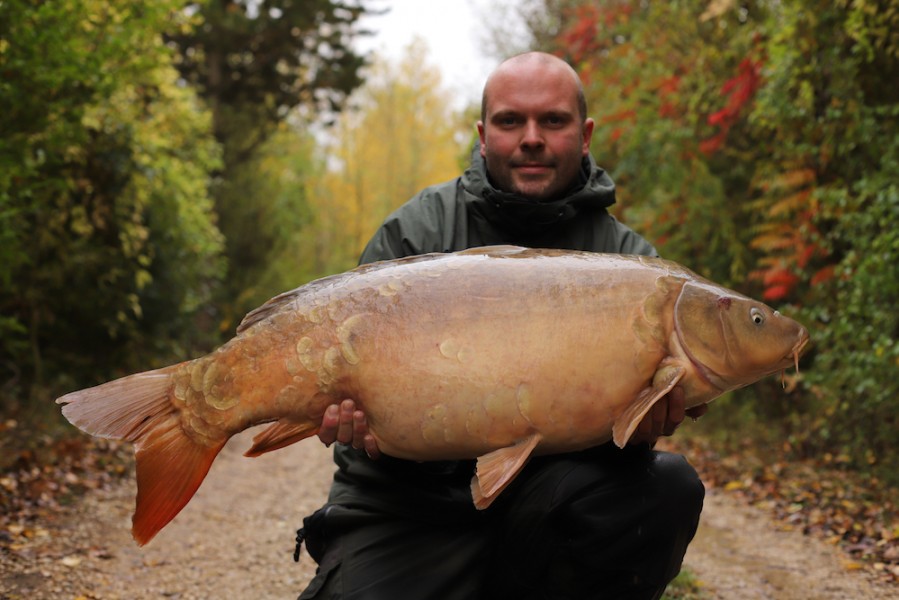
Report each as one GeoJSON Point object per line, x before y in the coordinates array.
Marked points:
{"type": "Point", "coordinates": [467, 212]}
{"type": "Point", "coordinates": [464, 213]}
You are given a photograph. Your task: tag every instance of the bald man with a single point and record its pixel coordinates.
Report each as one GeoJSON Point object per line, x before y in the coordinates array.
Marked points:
{"type": "Point", "coordinates": [603, 523]}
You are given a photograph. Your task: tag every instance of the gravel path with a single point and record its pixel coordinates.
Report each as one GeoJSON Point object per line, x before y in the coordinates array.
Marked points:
{"type": "Point", "coordinates": [740, 554]}
{"type": "Point", "coordinates": [235, 540]}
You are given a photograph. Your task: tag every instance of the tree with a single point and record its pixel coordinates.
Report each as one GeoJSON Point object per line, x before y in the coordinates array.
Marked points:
{"type": "Point", "coordinates": [269, 202]}
{"type": "Point", "coordinates": [400, 136]}
{"type": "Point", "coordinates": [831, 111]}
{"type": "Point", "coordinates": [260, 64]}
{"type": "Point", "coordinates": [104, 163]}
{"type": "Point", "coordinates": [255, 61]}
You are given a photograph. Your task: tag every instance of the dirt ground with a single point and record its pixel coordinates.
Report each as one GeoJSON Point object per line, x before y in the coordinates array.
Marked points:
{"type": "Point", "coordinates": [235, 539]}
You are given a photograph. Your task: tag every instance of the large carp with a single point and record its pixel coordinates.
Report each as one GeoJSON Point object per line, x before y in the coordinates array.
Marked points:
{"type": "Point", "coordinates": [496, 353]}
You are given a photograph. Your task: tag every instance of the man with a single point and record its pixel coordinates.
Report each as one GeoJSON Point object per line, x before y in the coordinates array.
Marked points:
{"type": "Point", "coordinates": [603, 523]}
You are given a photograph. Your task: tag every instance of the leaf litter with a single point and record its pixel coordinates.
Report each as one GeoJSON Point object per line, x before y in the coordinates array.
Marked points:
{"type": "Point", "coordinates": [821, 497]}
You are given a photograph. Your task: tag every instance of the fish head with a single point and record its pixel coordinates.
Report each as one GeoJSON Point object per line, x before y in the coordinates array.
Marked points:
{"type": "Point", "coordinates": [733, 340]}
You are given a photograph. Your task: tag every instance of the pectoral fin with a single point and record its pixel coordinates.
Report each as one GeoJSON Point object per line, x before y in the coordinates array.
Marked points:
{"type": "Point", "coordinates": [497, 469]}
{"type": "Point", "coordinates": [625, 425]}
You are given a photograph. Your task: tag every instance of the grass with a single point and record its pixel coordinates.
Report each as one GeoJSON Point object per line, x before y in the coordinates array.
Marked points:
{"type": "Point", "coordinates": [685, 587]}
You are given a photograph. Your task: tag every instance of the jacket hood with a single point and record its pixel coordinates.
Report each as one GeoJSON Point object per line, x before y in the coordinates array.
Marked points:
{"type": "Point", "coordinates": [594, 191]}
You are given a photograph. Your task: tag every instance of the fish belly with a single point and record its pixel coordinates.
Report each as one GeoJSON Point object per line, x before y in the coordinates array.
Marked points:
{"type": "Point", "coordinates": [457, 364]}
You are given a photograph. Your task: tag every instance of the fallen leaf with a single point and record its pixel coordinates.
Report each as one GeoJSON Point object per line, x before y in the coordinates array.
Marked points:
{"type": "Point", "coordinates": [71, 561]}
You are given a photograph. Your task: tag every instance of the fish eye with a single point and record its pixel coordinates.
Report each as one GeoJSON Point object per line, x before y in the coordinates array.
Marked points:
{"type": "Point", "coordinates": [757, 316]}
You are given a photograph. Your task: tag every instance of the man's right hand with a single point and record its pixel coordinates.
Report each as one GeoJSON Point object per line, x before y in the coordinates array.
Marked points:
{"type": "Point", "coordinates": [345, 425]}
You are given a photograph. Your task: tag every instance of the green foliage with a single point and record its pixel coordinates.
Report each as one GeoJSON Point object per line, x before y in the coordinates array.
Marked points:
{"type": "Point", "coordinates": [756, 143]}
{"type": "Point", "coordinates": [267, 201]}
{"type": "Point", "coordinates": [399, 138]}
{"type": "Point", "coordinates": [134, 168]}
{"type": "Point", "coordinates": [104, 162]}
{"type": "Point", "coordinates": [829, 109]}
{"type": "Point", "coordinates": [857, 332]}
{"type": "Point", "coordinates": [652, 98]}
{"type": "Point", "coordinates": [269, 57]}
{"type": "Point", "coordinates": [685, 587]}
{"type": "Point", "coordinates": [259, 65]}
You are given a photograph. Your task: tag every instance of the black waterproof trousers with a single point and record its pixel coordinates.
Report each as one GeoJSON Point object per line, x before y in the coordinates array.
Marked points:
{"type": "Point", "coordinates": [603, 523]}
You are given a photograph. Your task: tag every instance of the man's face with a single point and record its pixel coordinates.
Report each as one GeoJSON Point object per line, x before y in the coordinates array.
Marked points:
{"type": "Point", "coordinates": [533, 138]}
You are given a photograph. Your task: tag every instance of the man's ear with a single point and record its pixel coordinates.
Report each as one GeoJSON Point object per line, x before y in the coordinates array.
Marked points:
{"type": "Point", "coordinates": [588, 135]}
{"type": "Point", "coordinates": [483, 139]}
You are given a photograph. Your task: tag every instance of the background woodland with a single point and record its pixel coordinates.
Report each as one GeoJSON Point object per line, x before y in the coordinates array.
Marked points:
{"type": "Point", "coordinates": [167, 166]}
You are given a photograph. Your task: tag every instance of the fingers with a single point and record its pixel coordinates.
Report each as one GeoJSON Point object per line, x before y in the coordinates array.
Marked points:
{"type": "Point", "coordinates": [360, 430]}
{"type": "Point", "coordinates": [659, 416]}
{"type": "Point", "coordinates": [644, 433]}
{"type": "Point", "coordinates": [345, 429]}
{"type": "Point", "coordinates": [697, 411]}
{"type": "Point", "coordinates": [330, 421]}
{"type": "Point", "coordinates": [343, 424]}
{"type": "Point", "coordinates": [663, 418]}
{"type": "Point", "coordinates": [371, 447]}
{"type": "Point", "coordinates": [340, 423]}
{"type": "Point", "coordinates": [676, 406]}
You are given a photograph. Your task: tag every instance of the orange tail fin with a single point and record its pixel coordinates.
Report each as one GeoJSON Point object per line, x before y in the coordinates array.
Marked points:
{"type": "Point", "coordinates": [170, 465]}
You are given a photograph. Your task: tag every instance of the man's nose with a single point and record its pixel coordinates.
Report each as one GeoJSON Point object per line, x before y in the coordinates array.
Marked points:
{"type": "Point", "coordinates": [533, 135]}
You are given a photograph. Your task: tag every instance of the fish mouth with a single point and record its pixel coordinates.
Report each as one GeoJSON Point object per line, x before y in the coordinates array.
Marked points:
{"type": "Point", "coordinates": [791, 358]}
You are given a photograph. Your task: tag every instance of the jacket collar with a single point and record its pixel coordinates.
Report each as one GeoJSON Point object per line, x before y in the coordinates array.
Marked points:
{"type": "Point", "coordinates": [522, 215]}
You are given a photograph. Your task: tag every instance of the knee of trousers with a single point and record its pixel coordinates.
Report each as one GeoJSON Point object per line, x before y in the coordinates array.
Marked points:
{"type": "Point", "coordinates": [677, 482]}
{"type": "Point", "coordinates": [656, 480]}
{"type": "Point", "coordinates": [663, 494]}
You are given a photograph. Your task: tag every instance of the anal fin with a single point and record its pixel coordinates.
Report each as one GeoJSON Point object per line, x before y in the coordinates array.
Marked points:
{"type": "Point", "coordinates": [280, 434]}
{"type": "Point", "coordinates": [497, 469]}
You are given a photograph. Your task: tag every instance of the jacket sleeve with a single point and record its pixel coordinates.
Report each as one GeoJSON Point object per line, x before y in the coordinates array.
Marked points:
{"type": "Point", "coordinates": [419, 226]}
{"type": "Point", "coordinates": [385, 244]}
{"type": "Point", "coordinates": [630, 242]}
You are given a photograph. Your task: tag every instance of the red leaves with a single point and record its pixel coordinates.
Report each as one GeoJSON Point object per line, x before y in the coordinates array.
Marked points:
{"type": "Point", "coordinates": [581, 35]}
{"type": "Point", "coordinates": [623, 116]}
{"type": "Point", "coordinates": [666, 89]}
{"type": "Point", "coordinates": [825, 274]}
{"type": "Point", "coordinates": [739, 91]}
{"type": "Point", "coordinates": [580, 38]}
{"type": "Point", "coordinates": [778, 284]}
{"type": "Point", "coordinates": [788, 236]}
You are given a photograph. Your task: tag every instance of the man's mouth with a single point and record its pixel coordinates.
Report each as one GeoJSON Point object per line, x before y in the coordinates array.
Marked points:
{"type": "Point", "coordinates": [531, 168]}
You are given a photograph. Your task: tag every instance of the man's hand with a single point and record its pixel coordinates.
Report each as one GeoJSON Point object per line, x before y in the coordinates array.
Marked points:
{"type": "Point", "coordinates": [665, 417]}
{"type": "Point", "coordinates": [345, 425]}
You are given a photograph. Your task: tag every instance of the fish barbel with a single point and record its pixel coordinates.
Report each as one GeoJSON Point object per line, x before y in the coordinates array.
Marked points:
{"type": "Point", "coordinates": [492, 353]}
